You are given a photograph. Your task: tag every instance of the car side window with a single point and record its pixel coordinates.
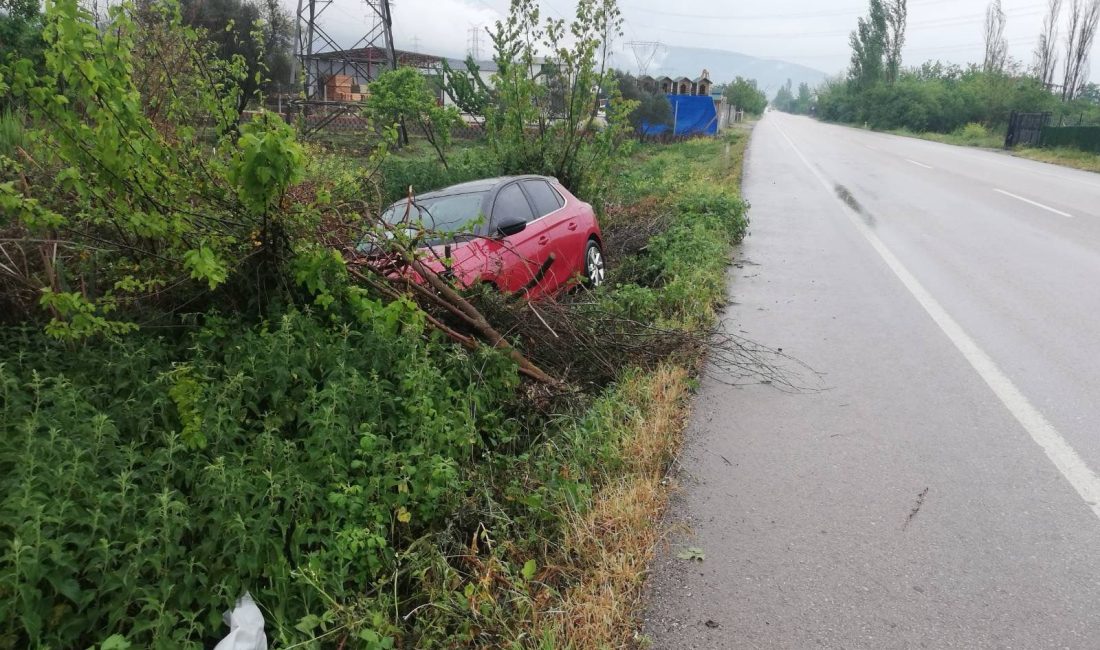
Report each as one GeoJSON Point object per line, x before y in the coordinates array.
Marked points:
{"type": "Point", "coordinates": [545, 198]}
{"type": "Point", "coordinates": [511, 202]}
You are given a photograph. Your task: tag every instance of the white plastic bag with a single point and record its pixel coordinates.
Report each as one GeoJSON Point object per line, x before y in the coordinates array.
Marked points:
{"type": "Point", "coordinates": [246, 627]}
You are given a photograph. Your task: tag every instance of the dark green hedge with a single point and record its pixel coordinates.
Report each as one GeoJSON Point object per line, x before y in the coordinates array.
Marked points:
{"type": "Point", "coordinates": [1085, 138]}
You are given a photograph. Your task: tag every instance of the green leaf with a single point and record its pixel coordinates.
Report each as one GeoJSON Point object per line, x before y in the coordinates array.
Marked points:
{"type": "Point", "coordinates": [308, 623]}
{"type": "Point", "coordinates": [205, 265]}
{"type": "Point", "coordinates": [529, 568]}
{"type": "Point", "coordinates": [692, 553]}
{"type": "Point", "coordinates": [115, 642]}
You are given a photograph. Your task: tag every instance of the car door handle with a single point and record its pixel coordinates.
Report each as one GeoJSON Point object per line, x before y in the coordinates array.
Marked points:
{"type": "Point", "coordinates": [544, 240]}
{"type": "Point", "coordinates": [572, 225]}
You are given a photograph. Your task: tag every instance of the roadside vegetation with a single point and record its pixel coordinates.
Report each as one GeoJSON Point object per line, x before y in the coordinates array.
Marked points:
{"type": "Point", "coordinates": [1065, 156]}
{"type": "Point", "coordinates": [204, 392]}
{"type": "Point", "coordinates": [967, 105]}
{"type": "Point", "coordinates": [977, 135]}
{"type": "Point", "coordinates": [744, 94]}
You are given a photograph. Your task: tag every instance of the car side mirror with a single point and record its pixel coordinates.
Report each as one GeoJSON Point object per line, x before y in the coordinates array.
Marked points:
{"type": "Point", "coordinates": [510, 226]}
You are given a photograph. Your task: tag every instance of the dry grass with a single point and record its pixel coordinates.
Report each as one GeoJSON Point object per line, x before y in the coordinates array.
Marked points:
{"type": "Point", "coordinates": [611, 544]}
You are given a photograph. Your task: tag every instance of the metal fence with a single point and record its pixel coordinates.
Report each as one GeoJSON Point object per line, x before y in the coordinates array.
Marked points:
{"type": "Point", "coordinates": [1025, 129]}
{"type": "Point", "coordinates": [1085, 138]}
{"type": "Point", "coordinates": [344, 119]}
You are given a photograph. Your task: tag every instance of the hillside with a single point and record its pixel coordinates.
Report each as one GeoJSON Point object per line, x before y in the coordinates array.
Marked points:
{"type": "Point", "coordinates": [724, 65]}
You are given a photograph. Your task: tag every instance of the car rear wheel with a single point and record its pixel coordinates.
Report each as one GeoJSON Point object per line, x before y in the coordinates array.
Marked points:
{"type": "Point", "coordinates": [595, 271]}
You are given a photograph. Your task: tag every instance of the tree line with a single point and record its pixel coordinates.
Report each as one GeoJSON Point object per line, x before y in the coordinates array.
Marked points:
{"type": "Point", "coordinates": [261, 32]}
{"type": "Point", "coordinates": [935, 96]}
{"type": "Point", "coordinates": [787, 101]}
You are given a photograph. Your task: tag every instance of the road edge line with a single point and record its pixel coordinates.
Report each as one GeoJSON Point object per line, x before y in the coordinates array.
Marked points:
{"type": "Point", "coordinates": [1035, 203]}
{"type": "Point", "coordinates": [1072, 467]}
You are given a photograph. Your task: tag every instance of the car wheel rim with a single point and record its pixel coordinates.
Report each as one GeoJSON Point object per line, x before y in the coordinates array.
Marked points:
{"type": "Point", "coordinates": [595, 266]}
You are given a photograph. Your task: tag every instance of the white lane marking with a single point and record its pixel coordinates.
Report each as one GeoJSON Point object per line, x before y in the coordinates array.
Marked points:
{"type": "Point", "coordinates": [1064, 457]}
{"type": "Point", "coordinates": [1038, 205]}
{"type": "Point", "coordinates": [1018, 163]}
{"type": "Point", "coordinates": [1033, 166]}
{"type": "Point", "coordinates": [918, 164]}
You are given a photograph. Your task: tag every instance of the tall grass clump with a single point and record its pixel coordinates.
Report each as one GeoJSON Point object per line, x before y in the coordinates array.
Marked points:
{"type": "Point", "coordinates": [13, 133]}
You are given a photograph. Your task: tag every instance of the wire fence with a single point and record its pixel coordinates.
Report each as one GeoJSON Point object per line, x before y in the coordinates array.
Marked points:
{"type": "Point", "coordinates": [321, 119]}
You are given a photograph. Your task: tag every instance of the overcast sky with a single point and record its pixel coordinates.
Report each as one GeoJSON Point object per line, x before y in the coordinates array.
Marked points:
{"type": "Point", "coordinates": [810, 32]}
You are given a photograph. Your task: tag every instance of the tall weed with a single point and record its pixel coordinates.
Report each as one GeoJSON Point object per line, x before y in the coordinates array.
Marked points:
{"type": "Point", "coordinates": [147, 483]}
{"type": "Point", "coordinates": [13, 135]}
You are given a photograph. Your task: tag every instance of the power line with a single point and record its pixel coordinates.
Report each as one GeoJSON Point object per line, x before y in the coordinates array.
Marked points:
{"type": "Point", "coordinates": [943, 22]}
{"type": "Point", "coordinates": [776, 16]}
{"type": "Point", "coordinates": [924, 50]}
{"type": "Point", "coordinates": [554, 9]}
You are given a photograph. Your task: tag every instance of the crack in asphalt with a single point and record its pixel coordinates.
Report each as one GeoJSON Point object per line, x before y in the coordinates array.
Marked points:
{"type": "Point", "coordinates": [916, 508]}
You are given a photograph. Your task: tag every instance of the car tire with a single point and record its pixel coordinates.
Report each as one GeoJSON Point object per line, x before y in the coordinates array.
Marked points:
{"type": "Point", "coordinates": [595, 267]}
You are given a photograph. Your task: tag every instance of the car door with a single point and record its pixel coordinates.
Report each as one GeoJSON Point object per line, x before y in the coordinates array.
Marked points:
{"type": "Point", "coordinates": [561, 233]}
{"type": "Point", "coordinates": [514, 261]}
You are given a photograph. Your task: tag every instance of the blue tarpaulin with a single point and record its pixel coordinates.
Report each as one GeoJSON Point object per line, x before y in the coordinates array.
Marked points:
{"type": "Point", "coordinates": [694, 115]}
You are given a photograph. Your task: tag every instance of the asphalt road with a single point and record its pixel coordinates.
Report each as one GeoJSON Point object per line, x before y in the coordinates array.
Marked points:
{"type": "Point", "coordinates": [938, 489]}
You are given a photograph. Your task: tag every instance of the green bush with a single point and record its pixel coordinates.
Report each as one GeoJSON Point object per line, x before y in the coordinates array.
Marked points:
{"type": "Point", "coordinates": [680, 276]}
{"type": "Point", "coordinates": [934, 98]}
{"type": "Point", "coordinates": [690, 259]}
{"type": "Point", "coordinates": [337, 460]}
{"type": "Point", "coordinates": [147, 483]}
{"type": "Point", "coordinates": [974, 131]}
{"type": "Point", "coordinates": [743, 94]}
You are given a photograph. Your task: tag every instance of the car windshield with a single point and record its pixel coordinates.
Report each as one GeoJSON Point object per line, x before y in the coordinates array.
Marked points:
{"type": "Point", "coordinates": [448, 213]}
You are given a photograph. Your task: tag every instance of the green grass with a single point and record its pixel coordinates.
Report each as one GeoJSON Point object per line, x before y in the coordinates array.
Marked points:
{"type": "Point", "coordinates": [371, 484]}
{"type": "Point", "coordinates": [967, 137]}
{"type": "Point", "coordinates": [1065, 157]}
{"type": "Point", "coordinates": [677, 281]}
{"type": "Point", "coordinates": [972, 135]}
{"type": "Point", "coordinates": [13, 134]}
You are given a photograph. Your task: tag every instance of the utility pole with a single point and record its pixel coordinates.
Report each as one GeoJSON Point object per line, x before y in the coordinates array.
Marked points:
{"type": "Point", "coordinates": [644, 54]}
{"type": "Point", "coordinates": [319, 55]}
{"type": "Point", "coordinates": [473, 42]}
{"type": "Point", "coordinates": [416, 43]}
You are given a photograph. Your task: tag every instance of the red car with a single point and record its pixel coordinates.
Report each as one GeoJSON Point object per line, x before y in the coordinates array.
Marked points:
{"type": "Point", "coordinates": [524, 234]}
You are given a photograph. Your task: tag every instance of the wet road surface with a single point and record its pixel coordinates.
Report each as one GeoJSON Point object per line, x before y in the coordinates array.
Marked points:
{"type": "Point", "coordinates": [939, 490]}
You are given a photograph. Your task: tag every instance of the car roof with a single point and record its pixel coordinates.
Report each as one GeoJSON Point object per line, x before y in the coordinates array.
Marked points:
{"type": "Point", "coordinates": [481, 185]}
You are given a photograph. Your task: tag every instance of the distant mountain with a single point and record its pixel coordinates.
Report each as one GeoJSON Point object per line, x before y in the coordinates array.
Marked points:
{"type": "Point", "coordinates": [723, 66]}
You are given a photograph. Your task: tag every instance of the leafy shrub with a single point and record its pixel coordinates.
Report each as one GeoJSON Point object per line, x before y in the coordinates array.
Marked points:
{"type": "Point", "coordinates": [403, 94]}
{"type": "Point", "coordinates": [341, 462]}
{"type": "Point", "coordinates": [934, 98]}
{"type": "Point", "coordinates": [690, 259]}
{"type": "Point", "coordinates": [743, 94]}
{"type": "Point", "coordinates": [652, 108]}
{"type": "Point", "coordinates": [542, 116]}
{"type": "Point", "coordinates": [974, 131]}
{"type": "Point", "coordinates": [679, 275]}
{"type": "Point", "coordinates": [145, 483]}
{"type": "Point", "coordinates": [142, 192]}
